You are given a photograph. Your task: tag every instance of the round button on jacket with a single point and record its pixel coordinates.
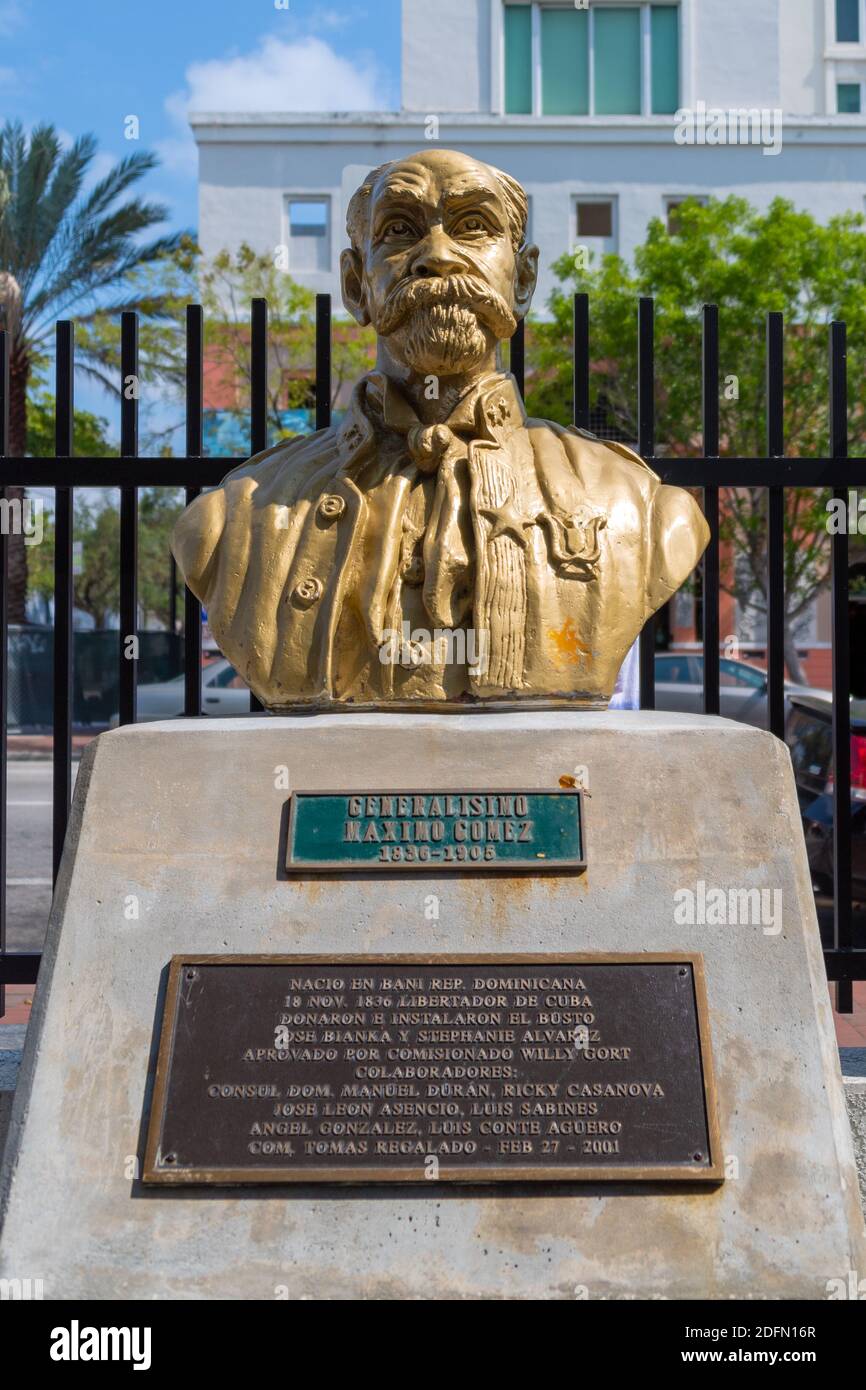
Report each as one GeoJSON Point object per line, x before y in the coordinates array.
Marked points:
{"type": "Point", "coordinates": [331, 507]}
{"type": "Point", "coordinates": [308, 592]}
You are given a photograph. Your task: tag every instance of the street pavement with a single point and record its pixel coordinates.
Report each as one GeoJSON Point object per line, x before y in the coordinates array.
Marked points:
{"type": "Point", "coordinates": [28, 850]}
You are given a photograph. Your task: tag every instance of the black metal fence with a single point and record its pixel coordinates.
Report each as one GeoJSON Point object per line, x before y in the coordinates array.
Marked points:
{"type": "Point", "coordinates": [710, 472]}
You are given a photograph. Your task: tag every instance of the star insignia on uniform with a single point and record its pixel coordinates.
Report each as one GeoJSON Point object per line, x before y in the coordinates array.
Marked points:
{"type": "Point", "coordinates": [508, 520]}
{"type": "Point", "coordinates": [499, 412]}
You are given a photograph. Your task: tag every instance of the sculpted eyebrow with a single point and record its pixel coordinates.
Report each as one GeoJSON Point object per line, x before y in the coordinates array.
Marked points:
{"type": "Point", "coordinates": [393, 194]}
{"type": "Point", "coordinates": [467, 196]}
{"type": "Point", "coordinates": [396, 200]}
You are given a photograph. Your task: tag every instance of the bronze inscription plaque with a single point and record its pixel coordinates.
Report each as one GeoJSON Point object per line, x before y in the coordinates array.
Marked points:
{"type": "Point", "coordinates": [376, 831]}
{"type": "Point", "coordinates": [277, 1069]}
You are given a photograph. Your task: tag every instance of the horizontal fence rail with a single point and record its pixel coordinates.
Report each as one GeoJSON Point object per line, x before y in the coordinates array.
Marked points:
{"type": "Point", "coordinates": [709, 473]}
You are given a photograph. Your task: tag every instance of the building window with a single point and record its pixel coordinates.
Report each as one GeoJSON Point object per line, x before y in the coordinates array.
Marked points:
{"type": "Point", "coordinates": [849, 98]}
{"type": "Point", "coordinates": [309, 234]}
{"type": "Point", "coordinates": [848, 21]}
{"type": "Point", "coordinates": [518, 60]}
{"type": "Point", "coordinates": [616, 62]}
{"type": "Point", "coordinates": [595, 222]}
{"type": "Point", "coordinates": [665, 59]}
{"type": "Point", "coordinates": [674, 203]}
{"type": "Point", "coordinates": [564, 62]}
{"type": "Point", "coordinates": [605, 60]}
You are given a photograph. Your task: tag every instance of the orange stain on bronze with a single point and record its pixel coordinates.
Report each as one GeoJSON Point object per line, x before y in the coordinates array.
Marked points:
{"type": "Point", "coordinates": [568, 644]}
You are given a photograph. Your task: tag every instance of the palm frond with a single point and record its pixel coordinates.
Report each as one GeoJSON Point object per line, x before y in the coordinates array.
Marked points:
{"type": "Point", "coordinates": [65, 250]}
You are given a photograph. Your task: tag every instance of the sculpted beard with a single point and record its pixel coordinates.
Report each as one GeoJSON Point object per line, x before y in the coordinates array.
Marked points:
{"type": "Point", "coordinates": [439, 322]}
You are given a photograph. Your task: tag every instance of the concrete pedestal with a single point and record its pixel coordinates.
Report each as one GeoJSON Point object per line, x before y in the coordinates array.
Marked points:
{"type": "Point", "coordinates": [175, 846]}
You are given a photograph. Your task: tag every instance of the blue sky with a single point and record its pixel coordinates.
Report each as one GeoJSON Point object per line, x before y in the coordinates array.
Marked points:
{"type": "Point", "coordinates": [85, 65]}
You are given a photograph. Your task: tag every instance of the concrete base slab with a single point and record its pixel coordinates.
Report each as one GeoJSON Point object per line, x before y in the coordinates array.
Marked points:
{"type": "Point", "coordinates": [174, 846]}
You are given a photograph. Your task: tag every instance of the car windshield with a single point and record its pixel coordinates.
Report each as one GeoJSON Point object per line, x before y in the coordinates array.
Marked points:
{"type": "Point", "coordinates": [673, 670]}
{"type": "Point", "coordinates": [737, 673]}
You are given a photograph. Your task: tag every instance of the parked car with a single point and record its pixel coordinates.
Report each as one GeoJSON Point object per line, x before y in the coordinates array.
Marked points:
{"type": "Point", "coordinates": [742, 687]}
{"type": "Point", "coordinates": [809, 735]}
{"type": "Point", "coordinates": [222, 693]}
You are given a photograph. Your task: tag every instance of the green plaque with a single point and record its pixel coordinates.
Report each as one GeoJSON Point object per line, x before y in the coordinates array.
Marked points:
{"type": "Point", "coordinates": [433, 830]}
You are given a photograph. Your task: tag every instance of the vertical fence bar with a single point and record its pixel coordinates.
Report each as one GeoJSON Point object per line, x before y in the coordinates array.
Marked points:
{"type": "Point", "coordinates": [259, 376]}
{"type": "Point", "coordinates": [192, 609]}
{"type": "Point", "coordinates": [711, 563]}
{"type": "Point", "coordinates": [323, 361]}
{"type": "Point", "coordinates": [194, 415]}
{"type": "Point", "coordinates": [4, 658]}
{"type": "Point", "coordinates": [128, 655]}
{"type": "Point", "coordinates": [258, 399]}
{"type": "Point", "coordinates": [843, 924]}
{"type": "Point", "coordinates": [172, 594]}
{"type": "Point", "coordinates": [646, 448]}
{"type": "Point", "coordinates": [518, 357]}
{"type": "Point", "coordinates": [776, 527]}
{"type": "Point", "coordinates": [62, 759]}
{"type": "Point", "coordinates": [580, 405]}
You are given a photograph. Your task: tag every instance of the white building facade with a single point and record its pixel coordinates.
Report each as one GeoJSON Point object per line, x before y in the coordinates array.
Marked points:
{"type": "Point", "coordinates": [607, 112]}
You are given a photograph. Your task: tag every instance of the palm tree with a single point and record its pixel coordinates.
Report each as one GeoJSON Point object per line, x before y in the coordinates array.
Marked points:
{"type": "Point", "coordinates": [63, 252]}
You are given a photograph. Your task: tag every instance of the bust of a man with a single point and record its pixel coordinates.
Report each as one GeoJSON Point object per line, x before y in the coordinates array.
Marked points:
{"type": "Point", "coordinates": [437, 546]}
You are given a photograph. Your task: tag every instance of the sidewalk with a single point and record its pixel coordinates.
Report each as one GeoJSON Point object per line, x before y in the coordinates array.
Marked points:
{"type": "Point", "coordinates": [851, 1028]}
{"type": "Point", "coordinates": [41, 746]}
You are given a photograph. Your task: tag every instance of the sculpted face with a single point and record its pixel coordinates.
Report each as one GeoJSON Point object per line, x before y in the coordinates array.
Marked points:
{"type": "Point", "coordinates": [438, 273]}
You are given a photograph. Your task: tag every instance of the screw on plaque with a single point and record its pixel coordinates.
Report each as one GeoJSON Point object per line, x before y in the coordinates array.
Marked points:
{"type": "Point", "coordinates": [191, 975]}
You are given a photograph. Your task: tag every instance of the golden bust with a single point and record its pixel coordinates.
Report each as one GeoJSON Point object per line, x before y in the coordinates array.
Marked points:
{"type": "Point", "coordinates": [438, 546]}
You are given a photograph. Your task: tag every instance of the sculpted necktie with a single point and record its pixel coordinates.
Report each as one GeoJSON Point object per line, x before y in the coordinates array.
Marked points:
{"type": "Point", "coordinates": [461, 532]}
{"type": "Point", "coordinates": [475, 548]}
{"type": "Point", "coordinates": [448, 542]}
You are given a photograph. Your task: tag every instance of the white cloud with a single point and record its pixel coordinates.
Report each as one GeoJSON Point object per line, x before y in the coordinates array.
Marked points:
{"type": "Point", "coordinates": [306, 75]}
{"type": "Point", "coordinates": [325, 18]}
{"type": "Point", "coordinates": [12, 17]}
{"type": "Point", "coordinates": [303, 76]}
{"type": "Point", "coordinates": [179, 153]}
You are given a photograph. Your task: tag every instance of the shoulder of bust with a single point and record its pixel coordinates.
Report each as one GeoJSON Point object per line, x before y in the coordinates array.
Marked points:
{"type": "Point", "coordinates": [612, 446]}
{"type": "Point", "coordinates": [287, 464]}
{"type": "Point", "coordinates": [281, 473]}
{"type": "Point", "coordinates": [601, 465]}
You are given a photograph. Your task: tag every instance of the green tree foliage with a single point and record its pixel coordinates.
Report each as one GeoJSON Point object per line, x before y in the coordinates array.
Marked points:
{"type": "Point", "coordinates": [225, 287]}
{"type": "Point", "coordinates": [97, 530]}
{"type": "Point", "coordinates": [748, 262]}
{"type": "Point", "coordinates": [89, 431]}
{"type": "Point", "coordinates": [63, 252]}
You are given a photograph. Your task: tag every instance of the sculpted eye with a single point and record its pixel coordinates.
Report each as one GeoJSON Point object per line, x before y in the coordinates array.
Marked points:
{"type": "Point", "coordinates": [398, 227]}
{"type": "Point", "coordinates": [473, 225]}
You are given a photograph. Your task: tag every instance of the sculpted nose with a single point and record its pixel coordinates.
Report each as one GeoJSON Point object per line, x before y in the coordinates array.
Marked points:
{"type": "Point", "coordinates": [436, 256]}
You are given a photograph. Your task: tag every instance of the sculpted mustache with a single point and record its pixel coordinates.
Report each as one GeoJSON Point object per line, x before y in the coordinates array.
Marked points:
{"type": "Point", "coordinates": [461, 291]}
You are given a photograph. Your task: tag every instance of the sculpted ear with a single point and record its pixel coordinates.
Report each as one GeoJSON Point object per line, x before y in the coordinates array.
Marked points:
{"type": "Point", "coordinates": [352, 280]}
{"type": "Point", "coordinates": [525, 279]}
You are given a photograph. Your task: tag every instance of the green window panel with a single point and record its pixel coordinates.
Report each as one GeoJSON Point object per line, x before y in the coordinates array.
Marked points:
{"type": "Point", "coordinates": [848, 100]}
{"type": "Point", "coordinates": [518, 60]}
{"type": "Point", "coordinates": [665, 47]}
{"type": "Point", "coordinates": [847, 21]}
{"type": "Point", "coordinates": [564, 62]}
{"type": "Point", "coordinates": [617, 61]}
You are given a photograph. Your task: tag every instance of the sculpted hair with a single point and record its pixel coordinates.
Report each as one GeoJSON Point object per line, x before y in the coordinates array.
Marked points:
{"type": "Point", "coordinates": [516, 204]}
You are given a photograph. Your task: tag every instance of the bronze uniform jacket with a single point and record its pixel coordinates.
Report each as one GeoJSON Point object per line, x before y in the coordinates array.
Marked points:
{"type": "Point", "coordinates": [296, 557]}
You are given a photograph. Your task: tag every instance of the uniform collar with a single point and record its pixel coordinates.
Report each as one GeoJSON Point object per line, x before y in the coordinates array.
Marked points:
{"type": "Point", "coordinates": [491, 410]}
